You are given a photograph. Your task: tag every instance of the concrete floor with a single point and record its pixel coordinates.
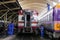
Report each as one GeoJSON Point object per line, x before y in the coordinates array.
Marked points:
{"type": "Point", "coordinates": [8, 38]}
{"type": "Point", "coordinates": [23, 37]}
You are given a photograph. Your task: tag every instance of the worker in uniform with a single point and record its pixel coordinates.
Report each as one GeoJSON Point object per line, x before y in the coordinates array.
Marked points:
{"type": "Point", "coordinates": [42, 31]}
{"type": "Point", "coordinates": [48, 6]}
{"type": "Point", "coordinates": [10, 30]}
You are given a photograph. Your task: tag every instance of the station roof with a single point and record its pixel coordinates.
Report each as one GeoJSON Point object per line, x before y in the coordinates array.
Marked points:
{"type": "Point", "coordinates": [10, 7]}
{"type": "Point", "coordinates": [39, 5]}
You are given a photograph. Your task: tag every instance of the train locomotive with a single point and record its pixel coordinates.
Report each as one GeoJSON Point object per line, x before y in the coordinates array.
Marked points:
{"type": "Point", "coordinates": [51, 22]}
{"type": "Point", "coordinates": [27, 21]}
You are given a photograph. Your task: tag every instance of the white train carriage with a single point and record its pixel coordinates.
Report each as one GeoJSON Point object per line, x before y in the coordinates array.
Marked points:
{"type": "Point", "coordinates": [27, 20]}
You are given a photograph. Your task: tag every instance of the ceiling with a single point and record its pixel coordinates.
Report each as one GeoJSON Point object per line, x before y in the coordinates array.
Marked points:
{"type": "Point", "coordinates": [39, 5]}
{"type": "Point", "coordinates": [33, 4]}
{"type": "Point", "coordinates": [11, 7]}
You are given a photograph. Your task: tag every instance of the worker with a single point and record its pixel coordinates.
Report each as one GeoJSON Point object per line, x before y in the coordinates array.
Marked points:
{"type": "Point", "coordinates": [10, 28]}
{"type": "Point", "coordinates": [42, 31]}
{"type": "Point", "coordinates": [48, 6]}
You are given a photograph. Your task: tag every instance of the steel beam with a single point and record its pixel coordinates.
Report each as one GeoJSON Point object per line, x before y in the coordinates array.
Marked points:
{"type": "Point", "coordinates": [18, 4]}
{"type": "Point", "coordinates": [11, 9]}
{"type": "Point", "coordinates": [7, 2]}
{"type": "Point", "coordinates": [11, 16]}
{"type": "Point", "coordinates": [4, 14]}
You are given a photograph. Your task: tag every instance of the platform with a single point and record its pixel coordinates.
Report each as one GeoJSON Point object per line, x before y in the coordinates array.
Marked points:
{"type": "Point", "coordinates": [23, 37]}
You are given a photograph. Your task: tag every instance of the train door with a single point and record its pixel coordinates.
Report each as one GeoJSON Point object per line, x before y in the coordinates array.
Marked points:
{"type": "Point", "coordinates": [27, 22]}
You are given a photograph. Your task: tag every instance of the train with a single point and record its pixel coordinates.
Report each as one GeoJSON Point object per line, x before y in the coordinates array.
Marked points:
{"type": "Point", "coordinates": [51, 22]}
{"type": "Point", "coordinates": [27, 21]}
{"type": "Point", "coordinates": [2, 28]}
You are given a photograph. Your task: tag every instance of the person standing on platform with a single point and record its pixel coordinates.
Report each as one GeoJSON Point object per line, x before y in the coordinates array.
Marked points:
{"type": "Point", "coordinates": [42, 31]}
{"type": "Point", "coordinates": [10, 30]}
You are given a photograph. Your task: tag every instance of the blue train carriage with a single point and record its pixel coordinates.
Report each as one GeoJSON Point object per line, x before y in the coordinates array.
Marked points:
{"type": "Point", "coordinates": [51, 22]}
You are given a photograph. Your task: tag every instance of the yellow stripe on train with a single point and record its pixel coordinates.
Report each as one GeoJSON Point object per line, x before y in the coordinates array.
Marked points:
{"type": "Point", "coordinates": [58, 5]}
{"type": "Point", "coordinates": [57, 26]}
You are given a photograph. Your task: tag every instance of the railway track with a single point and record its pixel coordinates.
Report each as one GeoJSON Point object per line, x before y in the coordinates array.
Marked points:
{"type": "Point", "coordinates": [27, 37]}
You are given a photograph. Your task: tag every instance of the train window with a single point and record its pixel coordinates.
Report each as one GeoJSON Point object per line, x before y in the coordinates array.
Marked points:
{"type": "Point", "coordinates": [28, 17]}
{"type": "Point", "coordinates": [23, 18]}
{"type": "Point", "coordinates": [1, 24]}
{"type": "Point", "coordinates": [58, 15]}
{"type": "Point", "coordinates": [28, 20]}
